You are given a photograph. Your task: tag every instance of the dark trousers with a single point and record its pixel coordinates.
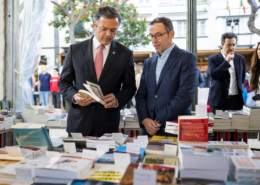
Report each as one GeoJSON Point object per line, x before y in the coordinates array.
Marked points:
{"type": "Point", "coordinates": [56, 99]}
{"type": "Point", "coordinates": [232, 103]}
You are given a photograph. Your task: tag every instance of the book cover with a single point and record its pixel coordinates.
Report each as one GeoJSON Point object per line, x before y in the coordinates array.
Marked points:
{"type": "Point", "coordinates": [165, 175]}
{"type": "Point", "coordinates": [90, 182]}
{"type": "Point", "coordinates": [160, 138]}
{"type": "Point", "coordinates": [114, 176]}
{"type": "Point", "coordinates": [159, 159]}
{"type": "Point", "coordinates": [193, 128]}
{"type": "Point", "coordinates": [246, 163]}
{"type": "Point", "coordinates": [229, 144]}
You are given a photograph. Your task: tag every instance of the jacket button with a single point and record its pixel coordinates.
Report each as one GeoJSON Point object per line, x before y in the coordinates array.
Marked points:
{"type": "Point", "coordinates": [156, 96]}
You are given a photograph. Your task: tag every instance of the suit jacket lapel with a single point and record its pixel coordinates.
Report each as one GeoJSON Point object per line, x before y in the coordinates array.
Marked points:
{"type": "Point", "coordinates": [236, 66]}
{"type": "Point", "coordinates": [171, 59]}
{"type": "Point", "coordinates": [110, 60]}
{"type": "Point", "coordinates": [153, 72]}
{"type": "Point", "coordinates": [89, 56]}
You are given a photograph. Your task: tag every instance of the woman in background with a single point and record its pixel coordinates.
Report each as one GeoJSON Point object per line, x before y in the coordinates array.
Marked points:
{"type": "Point", "coordinates": [254, 77]}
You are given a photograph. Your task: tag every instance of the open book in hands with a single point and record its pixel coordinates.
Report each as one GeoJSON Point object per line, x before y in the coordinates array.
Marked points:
{"type": "Point", "coordinates": [94, 91]}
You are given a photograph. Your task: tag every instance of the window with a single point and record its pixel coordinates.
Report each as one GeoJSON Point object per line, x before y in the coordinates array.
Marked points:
{"type": "Point", "coordinates": [165, 1]}
{"type": "Point", "coordinates": [243, 28]}
{"type": "Point", "coordinates": [181, 29]}
{"type": "Point", "coordinates": [201, 28]}
{"type": "Point", "coordinates": [143, 1]}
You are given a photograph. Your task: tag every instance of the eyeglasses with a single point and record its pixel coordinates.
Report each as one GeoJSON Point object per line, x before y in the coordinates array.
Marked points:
{"type": "Point", "coordinates": [156, 36]}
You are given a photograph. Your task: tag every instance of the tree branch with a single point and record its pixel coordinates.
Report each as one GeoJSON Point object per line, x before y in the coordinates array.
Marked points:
{"type": "Point", "coordinates": [61, 7]}
{"type": "Point", "coordinates": [84, 11]}
{"type": "Point", "coordinates": [120, 6]}
{"type": "Point", "coordinates": [72, 11]}
{"type": "Point", "coordinates": [251, 20]}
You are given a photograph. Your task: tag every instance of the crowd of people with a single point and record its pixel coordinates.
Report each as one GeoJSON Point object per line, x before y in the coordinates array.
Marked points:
{"type": "Point", "coordinates": [47, 84]}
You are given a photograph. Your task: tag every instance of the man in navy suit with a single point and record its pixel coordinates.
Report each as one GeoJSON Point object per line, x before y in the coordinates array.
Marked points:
{"type": "Point", "coordinates": [105, 62]}
{"type": "Point", "coordinates": [227, 71]}
{"type": "Point", "coordinates": [168, 82]}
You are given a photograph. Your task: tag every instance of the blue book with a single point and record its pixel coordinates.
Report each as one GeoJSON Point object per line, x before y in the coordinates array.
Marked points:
{"type": "Point", "coordinates": [123, 149]}
{"type": "Point", "coordinates": [31, 134]}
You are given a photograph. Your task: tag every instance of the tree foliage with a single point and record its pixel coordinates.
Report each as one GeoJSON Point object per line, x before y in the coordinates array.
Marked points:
{"type": "Point", "coordinates": [72, 13]}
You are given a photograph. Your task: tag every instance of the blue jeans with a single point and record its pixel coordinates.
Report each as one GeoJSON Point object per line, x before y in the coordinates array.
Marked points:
{"type": "Point", "coordinates": [44, 96]}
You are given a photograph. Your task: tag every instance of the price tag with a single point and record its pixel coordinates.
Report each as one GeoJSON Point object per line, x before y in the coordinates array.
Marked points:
{"type": "Point", "coordinates": [132, 148]}
{"type": "Point", "coordinates": [12, 111]}
{"type": "Point", "coordinates": [70, 147]}
{"type": "Point", "coordinates": [77, 135]}
{"type": "Point", "coordinates": [14, 151]}
{"type": "Point", "coordinates": [141, 143]}
{"type": "Point", "coordinates": [118, 137]}
{"type": "Point", "coordinates": [122, 159]}
{"type": "Point", "coordinates": [28, 106]}
{"type": "Point", "coordinates": [51, 154]}
{"type": "Point", "coordinates": [169, 141]}
{"type": "Point", "coordinates": [101, 149]}
{"type": "Point", "coordinates": [170, 150]}
{"type": "Point", "coordinates": [57, 117]}
{"type": "Point", "coordinates": [90, 154]}
{"type": "Point", "coordinates": [218, 112]}
{"type": "Point", "coordinates": [201, 110]}
{"type": "Point", "coordinates": [24, 174]}
{"type": "Point", "coordinates": [145, 138]}
{"type": "Point", "coordinates": [144, 177]}
{"type": "Point", "coordinates": [51, 108]}
{"type": "Point", "coordinates": [225, 115]}
{"type": "Point", "coordinates": [41, 111]}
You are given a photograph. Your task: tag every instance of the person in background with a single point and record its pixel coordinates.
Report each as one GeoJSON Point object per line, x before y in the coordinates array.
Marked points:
{"type": "Point", "coordinates": [55, 89]}
{"type": "Point", "coordinates": [227, 70]}
{"type": "Point", "coordinates": [201, 82]}
{"type": "Point", "coordinates": [207, 79]}
{"type": "Point", "coordinates": [250, 92]}
{"type": "Point", "coordinates": [254, 77]}
{"type": "Point", "coordinates": [34, 85]}
{"type": "Point", "coordinates": [44, 86]}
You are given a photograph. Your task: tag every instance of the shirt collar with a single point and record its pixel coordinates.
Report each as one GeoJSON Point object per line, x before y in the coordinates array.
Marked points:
{"type": "Point", "coordinates": [96, 44]}
{"type": "Point", "coordinates": [167, 51]}
{"type": "Point", "coordinates": [224, 56]}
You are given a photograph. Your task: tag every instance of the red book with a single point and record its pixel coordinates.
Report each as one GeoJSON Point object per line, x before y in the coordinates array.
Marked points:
{"type": "Point", "coordinates": [193, 128]}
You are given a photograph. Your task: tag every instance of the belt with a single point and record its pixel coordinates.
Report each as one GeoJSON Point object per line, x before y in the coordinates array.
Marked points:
{"type": "Point", "coordinates": [230, 96]}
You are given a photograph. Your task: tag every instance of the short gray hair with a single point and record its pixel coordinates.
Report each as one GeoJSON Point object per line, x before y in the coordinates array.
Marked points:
{"type": "Point", "coordinates": [107, 12]}
{"type": "Point", "coordinates": [228, 35]}
{"type": "Point", "coordinates": [166, 22]}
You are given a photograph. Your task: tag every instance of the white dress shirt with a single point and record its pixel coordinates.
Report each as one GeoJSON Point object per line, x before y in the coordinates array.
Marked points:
{"type": "Point", "coordinates": [95, 47]}
{"type": "Point", "coordinates": [233, 80]}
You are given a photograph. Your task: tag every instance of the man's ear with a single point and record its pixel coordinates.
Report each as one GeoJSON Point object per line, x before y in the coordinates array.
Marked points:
{"type": "Point", "coordinates": [94, 25]}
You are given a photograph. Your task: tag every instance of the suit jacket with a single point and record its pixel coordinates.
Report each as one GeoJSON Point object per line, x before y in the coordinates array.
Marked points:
{"type": "Point", "coordinates": [117, 77]}
{"type": "Point", "coordinates": [173, 94]}
{"type": "Point", "coordinates": [220, 78]}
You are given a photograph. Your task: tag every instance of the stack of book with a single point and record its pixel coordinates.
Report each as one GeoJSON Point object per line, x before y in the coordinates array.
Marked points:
{"type": "Point", "coordinates": [172, 127]}
{"type": "Point", "coordinates": [93, 143]}
{"type": "Point", "coordinates": [254, 112]}
{"type": "Point", "coordinates": [29, 115]}
{"type": "Point", "coordinates": [41, 118]}
{"type": "Point", "coordinates": [157, 143]}
{"type": "Point", "coordinates": [203, 162]}
{"type": "Point", "coordinates": [63, 169]}
{"type": "Point", "coordinates": [219, 123]}
{"type": "Point", "coordinates": [245, 169]}
{"type": "Point", "coordinates": [63, 122]}
{"type": "Point", "coordinates": [240, 120]}
{"type": "Point", "coordinates": [6, 122]}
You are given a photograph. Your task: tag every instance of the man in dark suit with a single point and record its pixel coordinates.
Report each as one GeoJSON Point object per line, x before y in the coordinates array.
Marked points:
{"type": "Point", "coordinates": [105, 62]}
{"type": "Point", "coordinates": [227, 70]}
{"type": "Point", "coordinates": [168, 81]}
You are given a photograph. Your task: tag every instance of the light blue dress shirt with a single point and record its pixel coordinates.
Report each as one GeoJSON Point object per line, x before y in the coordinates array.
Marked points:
{"type": "Point", "coordinates": [161, 60]}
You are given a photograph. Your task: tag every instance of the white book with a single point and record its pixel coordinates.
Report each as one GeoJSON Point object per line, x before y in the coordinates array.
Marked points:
{"type": "Point", "coordinates": [65, 167]}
